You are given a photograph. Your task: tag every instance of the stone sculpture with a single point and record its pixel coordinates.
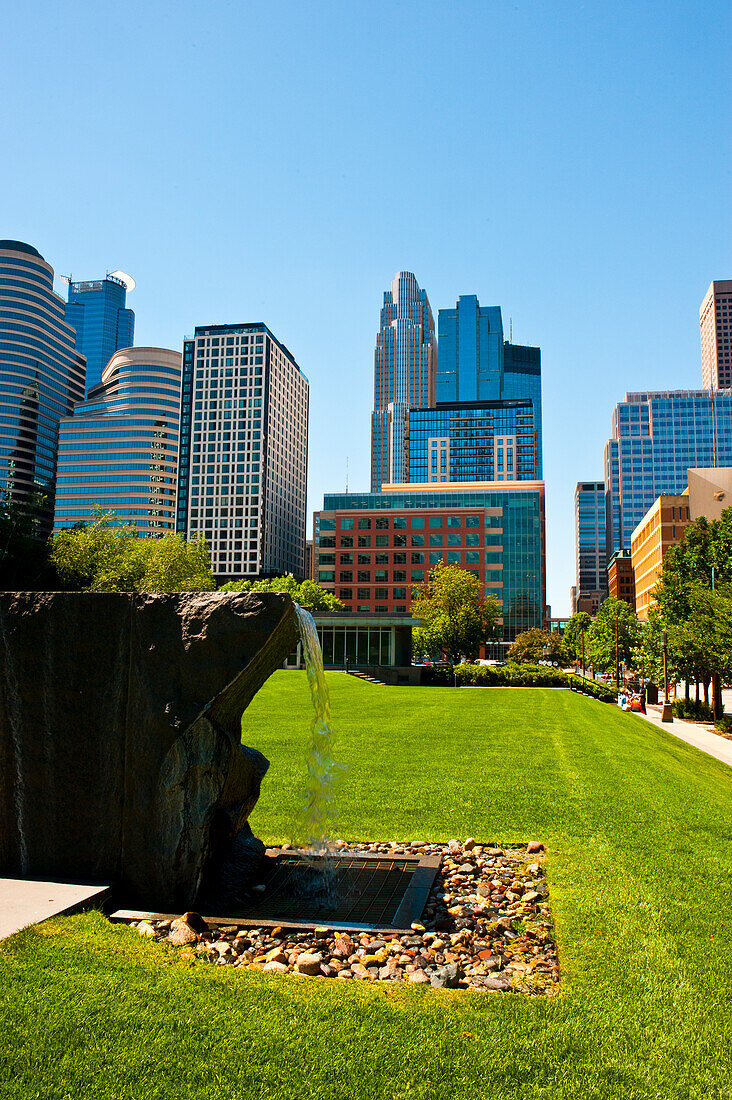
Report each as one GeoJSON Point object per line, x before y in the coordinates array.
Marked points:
{"type": "Point", "coordinates": [120, 730]}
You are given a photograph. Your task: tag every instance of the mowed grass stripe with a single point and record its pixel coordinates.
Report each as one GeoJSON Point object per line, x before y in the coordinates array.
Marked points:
{"type": "Point", "coordinates": [639, 831]}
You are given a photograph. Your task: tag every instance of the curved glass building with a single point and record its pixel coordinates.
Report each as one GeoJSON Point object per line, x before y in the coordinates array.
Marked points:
{"type": "Point", "coordinates": [41, 374]}
{"type": "Point", "coordinates": [119, 450]}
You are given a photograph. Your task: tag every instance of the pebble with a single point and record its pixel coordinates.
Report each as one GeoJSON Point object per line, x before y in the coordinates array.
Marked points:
{"type": "Point", "coordinates": [485, 927]}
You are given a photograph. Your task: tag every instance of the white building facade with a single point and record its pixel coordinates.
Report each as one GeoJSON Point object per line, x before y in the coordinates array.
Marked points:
{"type": "Point", "coordinates": [243, 451]}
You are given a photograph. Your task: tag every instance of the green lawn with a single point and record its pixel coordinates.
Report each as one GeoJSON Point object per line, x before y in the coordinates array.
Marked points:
{"type": "Point", "coordinates": [638, 828]}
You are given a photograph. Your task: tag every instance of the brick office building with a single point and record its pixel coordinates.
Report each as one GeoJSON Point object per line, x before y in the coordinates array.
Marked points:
{"type": "Point", "coordinates": [371, 549]}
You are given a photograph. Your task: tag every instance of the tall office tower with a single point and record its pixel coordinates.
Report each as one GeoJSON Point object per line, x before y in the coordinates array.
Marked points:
{"type": "Point", "coordinates": [589, 533]}
{"type": "Point", "coordinates": [656, 437]}
{"type": "Point", "coordinates": [41, 375]}
{"type": "Point", "coordinates": [479, 441]}
{"type": "Point", "coordinates": [405, 364]}
{"type": "Point", "coordinates": [97, 311]}
{"type": "Point", "coordinates": [476, 365]}
{"type": "Point", "coordinates": [715, 323]}
{"type": "Point", "coordinates": [244, 450]}
{"type": "Point", "coordinates": [119, 449]}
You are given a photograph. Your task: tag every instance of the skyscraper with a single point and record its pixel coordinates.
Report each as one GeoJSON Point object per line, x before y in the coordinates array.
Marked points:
{"type": "Point", "coordinates": [656, 437]}
{"type": "Point", "coordinates": [589, 531]}
{"type": "Point", "coordinates": [405, 364]}
{"type": "Point", "coordinates": [715, 323]}
{"type": "Point", "coordinates": [41, 374]}
{"type": "Point", "coordinates": [97, 311]}
{"type": "Point", "coordinates": [119, 449]}
{"type": "Point", "coordinates": [477, 364]}
{"type": "Point", "coordinates": [243, 450]}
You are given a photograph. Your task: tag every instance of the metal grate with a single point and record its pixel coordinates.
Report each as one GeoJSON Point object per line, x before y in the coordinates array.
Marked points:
{"type": "Point", "coordinates": [367, 892]}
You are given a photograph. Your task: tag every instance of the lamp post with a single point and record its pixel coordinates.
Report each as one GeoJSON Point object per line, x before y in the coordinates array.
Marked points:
{"type": "Point", "coordinates": [583, 655]}
{"type": "Point", "coordinates": [617, 656]}
{"type": "Point", "coordinates": [666, 709]}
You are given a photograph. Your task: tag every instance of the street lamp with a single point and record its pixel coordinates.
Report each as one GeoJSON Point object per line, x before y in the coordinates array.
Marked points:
{"type": "Point", "coordinates": [617, 656]}
{"type": "Point", "coordinates": [666, 709]}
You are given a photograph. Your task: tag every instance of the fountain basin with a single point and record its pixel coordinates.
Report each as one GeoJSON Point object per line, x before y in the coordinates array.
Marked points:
{"type": "Point", "coordinates": [120, 731]}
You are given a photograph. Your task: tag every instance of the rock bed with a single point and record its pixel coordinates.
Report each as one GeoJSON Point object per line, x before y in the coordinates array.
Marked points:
{"type": "Point", "coordinates": [486, 926]}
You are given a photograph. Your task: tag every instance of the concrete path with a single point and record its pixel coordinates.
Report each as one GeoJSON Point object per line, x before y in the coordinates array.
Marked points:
{"type": "Point", "coordinates": [710, 743]}
{"type": "Point", "coordinates": [27, 901]}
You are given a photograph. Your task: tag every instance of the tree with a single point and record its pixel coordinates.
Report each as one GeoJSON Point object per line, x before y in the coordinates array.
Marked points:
{"type": "Point", "coordinates": [104, 557]}
{"type": "Point", "coordinates": [456, 621]}
{"type": "Point", "coordinates": [576, 628]}
{"type": "Point", "coordinates": [696, 576]}
{"type": "Point", "coordinates": [536, 645]}
{"type": "Point", "coordinates": [306, 593]}
{"type": "Point", "coordinates": [615, 634]}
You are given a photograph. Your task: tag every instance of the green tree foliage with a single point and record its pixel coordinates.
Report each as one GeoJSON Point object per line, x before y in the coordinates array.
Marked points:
{"type": "Point", "coordinates": [104, 557]}
{"type": "Point", "coordinates": [456, 621]}
{"type": "Point", "coordinates": [537, 645]}
{"type": "Point", "coordinates": [22, 550]}
{"type": "Point", "coordinates": [307, 593]}
{"type": "Point", "coordinates": [615, 619]}
{"type": "Point", "coordinates": [577, 626]}
{"type": "Point", "coordinates": [692, 604]}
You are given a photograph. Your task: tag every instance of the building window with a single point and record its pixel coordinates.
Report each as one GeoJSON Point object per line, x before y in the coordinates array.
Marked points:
{"type": "Point", "coordinates": [364, 523]}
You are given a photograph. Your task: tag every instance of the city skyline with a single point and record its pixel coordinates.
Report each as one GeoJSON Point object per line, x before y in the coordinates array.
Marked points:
{"type": "Point", "coordinates": [570, 180]}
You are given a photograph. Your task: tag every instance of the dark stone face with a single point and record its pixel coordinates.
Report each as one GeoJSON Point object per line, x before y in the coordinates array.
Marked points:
{"type": "Point", "coordinates": [120, 718]}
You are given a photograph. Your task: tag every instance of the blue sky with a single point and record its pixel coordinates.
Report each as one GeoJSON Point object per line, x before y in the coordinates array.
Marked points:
{"type": "Point", "coordinates": [279, 162]}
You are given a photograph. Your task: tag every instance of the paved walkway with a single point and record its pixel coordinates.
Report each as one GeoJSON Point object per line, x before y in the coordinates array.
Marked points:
{"type": "Point", "coordinates": [710, 743]}
{"type": "Point", "coordinates": [26, 901]}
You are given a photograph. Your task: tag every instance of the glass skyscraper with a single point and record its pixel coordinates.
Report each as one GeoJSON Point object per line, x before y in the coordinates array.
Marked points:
{"type": "Point", "coordinates": [477, 364]}
{"type": "Point", "coordinates": [98, 312]}
{"type": "Point", "coordinates": [589, 530]}
{"type": "Point", "coordinates": [243, 451]}
{"type": "Point", "coordinates": [483, 441]}
{"type": "Point", "coordinates": [656, 437]}
{"type": "Point", "coordinates": [405, 364]}
{"type": "Point", "coordinates": [41, 374]}
{"type": "Point", "coordinates": [119, 450]}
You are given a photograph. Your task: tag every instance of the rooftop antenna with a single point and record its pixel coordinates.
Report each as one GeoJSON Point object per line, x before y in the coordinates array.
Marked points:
{"type": "Point", "coordinates": [510, 330]}
{"type": "Point", "coordinates": [346, 473]}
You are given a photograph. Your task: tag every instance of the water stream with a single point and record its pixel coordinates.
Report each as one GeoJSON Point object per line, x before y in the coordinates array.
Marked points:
{"type": "Point", "coordinates": [318, 815]}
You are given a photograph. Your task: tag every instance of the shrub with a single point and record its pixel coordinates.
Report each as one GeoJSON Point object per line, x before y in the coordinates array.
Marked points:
{"type": "Point", "coordinates": [592, 687]}
{"type": "Point", "coordinates": [724, 725]}
{"type": "Point", "coordinates": [700, 712]}
{"type": "Point", "coordinates": [438, 675]}
{"type": "Point", "coordinates": [510, 675]}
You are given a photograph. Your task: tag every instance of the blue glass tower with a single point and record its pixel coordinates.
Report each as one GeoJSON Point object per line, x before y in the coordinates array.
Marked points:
{"type": "Point", "coordinates": [656, 437]}
{"type": "Point", "coordinates": [589, 527]}
{"type": "Point", "coordinates": [405, 363]}
{"type": "Point", "coordinates": [477, 364]}
{"type": "Point", "coordinates": [41, 375]}
{"type": "Point", "coordinates": [97, 311]}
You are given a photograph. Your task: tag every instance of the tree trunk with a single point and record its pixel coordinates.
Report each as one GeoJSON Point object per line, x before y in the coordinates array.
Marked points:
{"type": "Point", "coordinates": [717, 695]}
{"type": "Point", "coordinates": [697, 693]}
{"type": "Point", "coordinates": [706, 693]}
{"type": "Point", "coordinates": [686, 690]}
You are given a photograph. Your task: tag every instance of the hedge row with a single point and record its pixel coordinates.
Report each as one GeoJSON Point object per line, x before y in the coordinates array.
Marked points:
{"type": "Point", "coordinates": [509, 675]}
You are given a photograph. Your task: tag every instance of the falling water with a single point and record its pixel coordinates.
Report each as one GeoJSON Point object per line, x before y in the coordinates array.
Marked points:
{"type": "Point", "coordinates": [319, 811]}
{"type": "Point", "coordinates": [12, 702]}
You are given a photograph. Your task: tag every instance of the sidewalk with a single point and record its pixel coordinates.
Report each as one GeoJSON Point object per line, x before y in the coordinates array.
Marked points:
{"type": "Point", "coordinates": [694, 734]}
{"type": "Point", "coordinates": [26, 901]}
